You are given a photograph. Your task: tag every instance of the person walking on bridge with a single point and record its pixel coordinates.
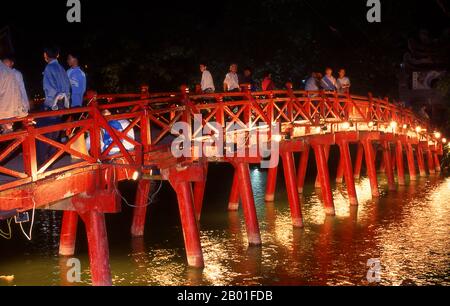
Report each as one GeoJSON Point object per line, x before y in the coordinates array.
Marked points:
{"type": "Point", "coordinates": [231, 82]}
{"type": "Point", "coordinates": [328, 82]}
{"type": "Point", "coordinates": [313, 82]}
{"type": "Point", "coordinates": [343, 82]}
{"type": "Point", "coordinates": [56, 82]}
{"type": "Point", "coordinates": [247, 79]}
{"type": "Point", "coordinates": [267, 83]}
{"type": "Point", "coordinates": [57, 96]}
{"type": "Point", "coordinates": [11, 104]}
{"type": "Point", "coordinates": [77, 80]}
{"type": "Point", "coordinates": [207, 83]}
{"type": "Point", "coordinates": [9, 61]}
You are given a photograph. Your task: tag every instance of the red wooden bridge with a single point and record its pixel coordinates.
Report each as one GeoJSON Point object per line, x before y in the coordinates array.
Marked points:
{"type": "Point", "coordinates": [83, 183]}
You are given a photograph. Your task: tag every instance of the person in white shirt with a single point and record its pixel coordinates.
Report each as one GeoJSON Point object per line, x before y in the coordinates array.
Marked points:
{"type": "Point", "coordinates": [11, 105]}
{"type": "Point", "coordinates": [207, 83]}
{"type": "Point", "coordinates": [9, 61]}
{"type": "Point", "coordinates": [231, 82]}
{"type": "Point", "coordinates": [343, 82]}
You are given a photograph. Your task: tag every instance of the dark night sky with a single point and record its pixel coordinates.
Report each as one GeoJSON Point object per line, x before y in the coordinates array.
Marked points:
{"type": "Point", "coordinates": [161, 43]}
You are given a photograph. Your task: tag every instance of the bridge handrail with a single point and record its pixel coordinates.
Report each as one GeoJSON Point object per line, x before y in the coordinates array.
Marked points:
{"type": "Point", "coordinates": [153, 115]}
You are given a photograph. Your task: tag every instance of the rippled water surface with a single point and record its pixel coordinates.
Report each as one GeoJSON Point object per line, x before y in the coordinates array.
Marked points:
{"type": "Point", "coordinates": [408, 230]}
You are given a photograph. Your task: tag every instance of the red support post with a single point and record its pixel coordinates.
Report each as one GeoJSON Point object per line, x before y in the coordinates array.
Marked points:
{"type": "Point", "coordinates": [324, 175]}
{"type": "Point", "coordinates": [291, 188]}
{"type": "Point", "coordinates": [358, 161]}
{"type": "Point", "coordinates": [140, 209]}
{"type": "Point", "coordinates": [411, 164]}
{"type": "Point", "coordinates": [302, 167]}
{"type": "Point", "coordinates": [68, 233]}
{"type": "Point", "coordinates": [430, 161]}
{"type": "Point", "coordinates": [421, 161]}
{"type": "Point", "coordinates": [233, 203]}
{"type": "Point", "coordinates": [371, 169]}
{"type": "Point", "coordinates": [399, 158]}
{"type": "Point", "coordinates": [437, 163]}
{"type": "Point", "coordinates": [248, 204]}
{"type": "Point", "coordinates": [98, 248]}
{"type": "Point", "coordinates": [271, 184]}
{"type": "Point", "coordinates": [189, 224]}
{"type": "Point", "coordinates": [389, 170]}
{"type": "Point", "coordinates": [327, 157]}
{"type": "Point", "coordinates": [346, 161]}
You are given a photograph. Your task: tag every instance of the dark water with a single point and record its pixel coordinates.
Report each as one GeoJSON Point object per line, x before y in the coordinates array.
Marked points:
{"type": "Point", "coordinates": [407, 230]}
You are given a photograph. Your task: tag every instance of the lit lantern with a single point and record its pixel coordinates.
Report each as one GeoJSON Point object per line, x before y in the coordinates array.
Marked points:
{"type": "Point", "coordinates": [437, 135]}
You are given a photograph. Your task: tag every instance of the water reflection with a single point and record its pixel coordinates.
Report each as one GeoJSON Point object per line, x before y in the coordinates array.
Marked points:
{"type": "Point", "coordinates": [408, 230]}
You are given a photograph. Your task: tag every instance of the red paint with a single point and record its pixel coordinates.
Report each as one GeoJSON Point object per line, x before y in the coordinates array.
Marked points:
{"type": "Point", "coordinates": [291, 188]}
{"type": "Point", "coordinates": [348, 172]}
{"type": "Point", "coordinates": [189, 224]}
{"type": "Point", "coordinates": [322, 169]}
{"type": "Point", "coordinates": [430, 162]}
{"type": "Point", "coordinates": [140, 211]}
{"type": "Point", "coordinates": [400, 167]}
{"type": "Point", "coordinates": [327, 157]}
{"type": "Point", "coordinates": [389, 170]}
{"type": "Point", "coordinates": [421, 161]}
{"type": "Point", "coordinates": [437, 163]}
{"type": "Point", "coordinates": [233, 203]}
{"type": "Point", "coordinates": [271, 184]}
{"type": "Point", "coordinates": [411, 164]}
{"type": "Point", "coordinates": [302, 167]}
{"type": "Point", "coordinates": [371, 169]}
{"type": "Point", "coordinates": [248, 204]}
{"type": "Point", "coordinates": [98, 248]}
{"type": "Point", "coordinates": [68, 233]}
{"type": "Point", "coordinates": [358, 161]}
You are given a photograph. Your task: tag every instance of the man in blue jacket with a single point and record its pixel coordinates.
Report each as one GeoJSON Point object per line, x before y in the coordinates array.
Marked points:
{"type": "Point", "coordinates": [57, 96]}
{"type": "Point", "coordinates": [56, 82]}
{"type": "Point", "coordinates": [77, 80]}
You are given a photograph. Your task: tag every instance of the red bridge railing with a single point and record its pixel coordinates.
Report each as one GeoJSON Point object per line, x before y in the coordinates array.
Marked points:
{"type": "Point", "coordinates": [152, 117]}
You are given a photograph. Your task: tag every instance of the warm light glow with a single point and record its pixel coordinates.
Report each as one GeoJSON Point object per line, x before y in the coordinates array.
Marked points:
{"type": "Point", "coordinates": [393, 124]}
{"type": "Point", "coordinates": [437, 135]}
{"type": "Point", "coordinates": [418, 129]}
{"type": "Point", "coordinates": [135, 175]}
{"type": "Point", "coordinates": [346, 125]}
{"type": "Point", "coordinates": [370, 124]}
{"type": "Point", "coordinates": [405, 126]}
{"type": "Point", "coordinates": [318, 129]}
{"type": "Point", "coordinates": [444, 140]}
{"type": "Point", "coordinates": [277, 138]}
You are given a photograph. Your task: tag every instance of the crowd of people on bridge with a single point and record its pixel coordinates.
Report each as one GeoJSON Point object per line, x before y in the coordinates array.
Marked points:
{"type": "Point", "coordinates": [233, 81]}
{"type": "Point", "coordinates": [62, 88]}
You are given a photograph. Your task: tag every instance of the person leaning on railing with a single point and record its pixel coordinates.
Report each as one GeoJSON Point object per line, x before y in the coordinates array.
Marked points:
{"type": "Point", "coordinates": [11, 104]}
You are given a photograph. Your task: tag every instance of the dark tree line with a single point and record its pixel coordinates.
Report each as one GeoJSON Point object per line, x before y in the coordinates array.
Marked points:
{"type": "Point", "coordinates": [125, 45]}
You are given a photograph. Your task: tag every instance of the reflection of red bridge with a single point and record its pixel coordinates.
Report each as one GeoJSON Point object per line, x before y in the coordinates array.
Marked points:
{"type": "Point", "coordinates": [83, 183]}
